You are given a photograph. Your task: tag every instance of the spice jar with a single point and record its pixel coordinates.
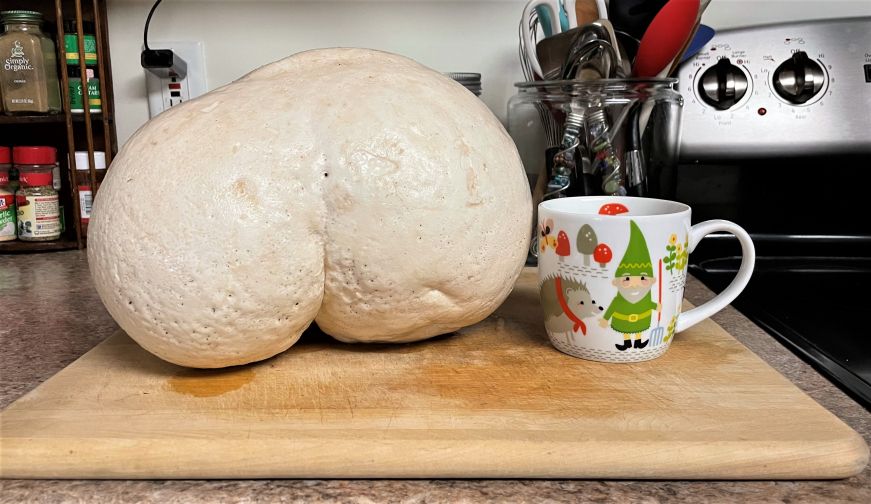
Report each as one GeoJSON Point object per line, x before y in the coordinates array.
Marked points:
{"type": "Point", "coordinates": [77, 99]}
{"type": "Point", "coordinates": [37, 200]}
{"type": "Point", "coordinates": [71, 43]}
{"type": "Point", "coordinates": [83, 179]}
{"type": "Point", "coordinates": [7, 198]}
{"type": "Point", "coordinates": [28, 77]}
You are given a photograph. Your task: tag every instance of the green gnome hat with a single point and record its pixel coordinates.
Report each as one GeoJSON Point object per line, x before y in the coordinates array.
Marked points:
{"type": "Point", "coordinates": [636, 260]}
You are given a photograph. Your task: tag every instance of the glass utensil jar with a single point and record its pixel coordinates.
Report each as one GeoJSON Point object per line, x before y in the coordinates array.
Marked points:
{"type": "Point", "coordinates": [609, 136]}
{"type": "Point", "coordinates": [28, 75]}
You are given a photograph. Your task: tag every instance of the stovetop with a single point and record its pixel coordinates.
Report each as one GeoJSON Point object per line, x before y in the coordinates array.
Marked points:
{"type": "Point", "coordinates": [819, 307]}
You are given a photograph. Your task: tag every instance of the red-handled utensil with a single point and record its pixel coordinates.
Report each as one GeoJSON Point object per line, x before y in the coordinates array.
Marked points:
{"type": "Point", "coordinates": [665, 37]}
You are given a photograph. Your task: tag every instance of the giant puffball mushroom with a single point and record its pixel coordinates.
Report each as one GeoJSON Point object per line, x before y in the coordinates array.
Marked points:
{"type": "Point", "coordinates": [602, 254]}
{"type": "Point", "coordinates": [563, 249]}
{"type": "Point", "coordinates": [586, 242]}
{"type": "Point", "coordinates": [352, 188]}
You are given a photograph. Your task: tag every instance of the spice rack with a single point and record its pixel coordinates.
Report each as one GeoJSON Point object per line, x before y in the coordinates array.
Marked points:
{"type": "Point", "coordinates": [66, 131]}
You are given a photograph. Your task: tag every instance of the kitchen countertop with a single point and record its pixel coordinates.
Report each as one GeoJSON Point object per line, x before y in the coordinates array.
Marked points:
{"type": "Point", "coordinates": [51, 315]}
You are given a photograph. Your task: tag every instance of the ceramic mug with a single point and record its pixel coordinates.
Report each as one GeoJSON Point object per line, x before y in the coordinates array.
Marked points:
{"type": "Point", "coordinates": [612, 271]}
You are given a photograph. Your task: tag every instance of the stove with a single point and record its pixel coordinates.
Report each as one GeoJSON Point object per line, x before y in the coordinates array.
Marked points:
{"type": "Point", "coordinates": [776, 136]}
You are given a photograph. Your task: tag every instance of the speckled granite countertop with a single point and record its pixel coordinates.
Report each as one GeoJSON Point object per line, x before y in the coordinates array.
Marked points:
{"type": "Point", "coordinates": [51, 315]}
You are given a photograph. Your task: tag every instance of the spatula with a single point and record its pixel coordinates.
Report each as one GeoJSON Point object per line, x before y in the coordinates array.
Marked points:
{"type": "Point", "coordinates": [633, 16]}
{"type": "Point", "coordinates": [665, 37]}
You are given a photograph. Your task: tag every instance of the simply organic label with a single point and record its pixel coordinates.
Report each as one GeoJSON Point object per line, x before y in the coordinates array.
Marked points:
{"type": "Point", "coordinates": [17, 60]}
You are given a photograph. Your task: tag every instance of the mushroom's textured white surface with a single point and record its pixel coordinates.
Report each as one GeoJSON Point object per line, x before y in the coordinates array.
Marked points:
{"type": "Point", "coordinates": [352, 187]}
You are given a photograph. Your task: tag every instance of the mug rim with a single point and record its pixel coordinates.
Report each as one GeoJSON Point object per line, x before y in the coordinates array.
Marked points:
{"type": "Point", "coordinates": [551, 205]}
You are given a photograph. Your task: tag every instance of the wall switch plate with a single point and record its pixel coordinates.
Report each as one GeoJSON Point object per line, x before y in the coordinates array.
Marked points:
{"type": "Point", "coordinates": [167, 92]}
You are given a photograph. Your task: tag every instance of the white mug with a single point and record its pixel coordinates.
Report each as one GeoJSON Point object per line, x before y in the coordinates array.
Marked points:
{"type": "Point", "coordinates": [612, 272]}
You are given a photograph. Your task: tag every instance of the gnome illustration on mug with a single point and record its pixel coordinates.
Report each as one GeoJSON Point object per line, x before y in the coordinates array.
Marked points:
{"type": "Point", "coordinates": [631, 310]}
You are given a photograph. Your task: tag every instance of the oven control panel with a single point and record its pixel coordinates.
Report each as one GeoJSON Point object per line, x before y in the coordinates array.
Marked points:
{"type": "Point", "coordinates": [779, 90]}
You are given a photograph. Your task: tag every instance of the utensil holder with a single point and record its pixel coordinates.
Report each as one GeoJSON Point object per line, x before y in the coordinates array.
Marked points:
{"type": "Point", "coordinates": [601, 137]}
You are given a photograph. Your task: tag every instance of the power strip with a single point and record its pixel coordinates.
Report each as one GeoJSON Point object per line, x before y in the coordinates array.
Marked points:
{"type": "Point", "coordinates": [167, 92]}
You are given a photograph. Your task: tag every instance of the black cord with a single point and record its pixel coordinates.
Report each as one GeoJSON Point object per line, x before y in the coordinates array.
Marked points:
{"type": "Point", "coordinates": [148, 22]}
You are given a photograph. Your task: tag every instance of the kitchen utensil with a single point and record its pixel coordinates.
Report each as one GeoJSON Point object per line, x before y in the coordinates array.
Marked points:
{"type": "Point", "coordinates": [605, 160]}
{"type": "Point", "coordinates": [567, 15]}
{"type": "Point", "coordinates": [633, 16]}
{"type": "Point", "coordinates": [488, 401]}
{"type": "Point", "coordinates": [587, 11]}
{"type": "Point", "coordinates": [633, 160]}
{"type": "Point", "coordinates": [596, 57]}
{"type": "Point", "coordinates": [703, 35]}
{"type": "Point", "coordinates": [565, 159]}
{"type": "Point", "coordinates": [547, 122]}
{"type": "Point", "coordinates": [622, 276]}
{"type": "Point", "coordinates": [664, 38]}
{"type": "Point", "coordinates": [628, 48]}
{"type": "Point", "coordinates": [529, 20]}
{"type": "Point", "coordinates": [553, 53]}
{"type": "Point", "coordinates": [669, 70]}
{"type": "Point", "coordinates": [606, 28]}
{"type": "Point", "coordinates": [658, 332]}
{"type": "Point", "coordinates": [543, 14]}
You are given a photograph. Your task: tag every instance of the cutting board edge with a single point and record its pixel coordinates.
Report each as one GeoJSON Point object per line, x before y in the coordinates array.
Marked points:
{"type": "Point", "coordinates": [833, 459]}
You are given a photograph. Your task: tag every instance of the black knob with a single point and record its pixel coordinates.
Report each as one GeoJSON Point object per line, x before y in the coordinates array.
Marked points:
{"type": "Point", "coordinates": [723, 85]}
{"type": "Point", "coordinates": [798, 79]}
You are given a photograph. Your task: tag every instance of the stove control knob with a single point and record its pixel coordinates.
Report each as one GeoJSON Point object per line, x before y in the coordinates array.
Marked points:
{"type": "Point", "coordinates": [798, 79]}
{"type": "Point", "coordinates": [723, 85]}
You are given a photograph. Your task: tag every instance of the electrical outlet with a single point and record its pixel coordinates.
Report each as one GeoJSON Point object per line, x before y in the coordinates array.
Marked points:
{"type": "Point", "coordinates": [164, 93]}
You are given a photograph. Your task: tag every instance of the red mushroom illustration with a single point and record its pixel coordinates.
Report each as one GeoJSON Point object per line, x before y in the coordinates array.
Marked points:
{"type": "Point", "coordinates": [602, 254]}
{"type": "Point", "coordinates": [563, 248]}
{"type": "Point", "coordinates": [613, 209]}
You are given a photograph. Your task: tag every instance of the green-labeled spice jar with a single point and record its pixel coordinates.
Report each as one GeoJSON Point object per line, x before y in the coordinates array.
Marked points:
{"type": "Point", "coordinates": [71, 43]}
{"type": "Point", "coordinates": [77, 99]}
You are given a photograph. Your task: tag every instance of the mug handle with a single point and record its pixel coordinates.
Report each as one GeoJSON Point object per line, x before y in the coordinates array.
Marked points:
{"type": "Point", "coordinates": [721, 300]}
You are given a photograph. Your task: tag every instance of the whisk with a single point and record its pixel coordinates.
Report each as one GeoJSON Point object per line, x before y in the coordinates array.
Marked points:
{"type": "Point", "coordinates": [551, 128]}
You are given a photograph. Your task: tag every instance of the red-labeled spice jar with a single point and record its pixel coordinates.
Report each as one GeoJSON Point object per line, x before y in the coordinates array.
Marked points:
{"type": "Point", "coordinates": [37, 200]}
{"type": "Point", "coordinates": [7, 197]}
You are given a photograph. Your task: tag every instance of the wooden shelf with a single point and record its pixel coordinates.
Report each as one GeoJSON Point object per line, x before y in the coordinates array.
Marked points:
{"type": "Point", "coordinates": [12, 247]}
{"type": "Point", "coordinates": [67, 132]}
{"type": "Point", "coordinates": [28, 119]}
{"type": "Point", "coordinates": [95, 117]}
{"type": "Point", "coordinates": [44, 119]}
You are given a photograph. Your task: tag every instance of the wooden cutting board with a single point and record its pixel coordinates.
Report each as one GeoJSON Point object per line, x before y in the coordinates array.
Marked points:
{"type": "Point", "coordinates": [494, 400]}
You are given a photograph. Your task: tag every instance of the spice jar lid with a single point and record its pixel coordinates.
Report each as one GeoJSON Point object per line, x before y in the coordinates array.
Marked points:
{"type": "Point", "coordinates": [5, 155]}
{"type": "Point", "coordinates": [20, 15]}
{"type": "Point", "coordinates": [70, 27]}
{"type": "Point", "coordinates": [82, 160]}
{"type": "Point", "coordinates": [74, 72]}
{"type": "Point", "coordinates": [27, 155]}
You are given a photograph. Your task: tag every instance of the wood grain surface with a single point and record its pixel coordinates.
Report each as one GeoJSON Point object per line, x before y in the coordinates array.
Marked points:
{"type": "Point", "coordinates": [493, 400]}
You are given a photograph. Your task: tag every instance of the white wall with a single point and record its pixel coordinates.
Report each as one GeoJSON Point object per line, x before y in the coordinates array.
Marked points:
{"type": "Point", "coordinates": [471, 36]}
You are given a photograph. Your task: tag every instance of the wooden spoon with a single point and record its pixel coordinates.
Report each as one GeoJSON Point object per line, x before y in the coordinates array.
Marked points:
{"type": "Point", "coordinates": [586, 11]}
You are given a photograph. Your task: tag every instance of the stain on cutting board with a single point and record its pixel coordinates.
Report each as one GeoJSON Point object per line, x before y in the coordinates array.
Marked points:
{"type": "Point", "coordinates": [210, 382]}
